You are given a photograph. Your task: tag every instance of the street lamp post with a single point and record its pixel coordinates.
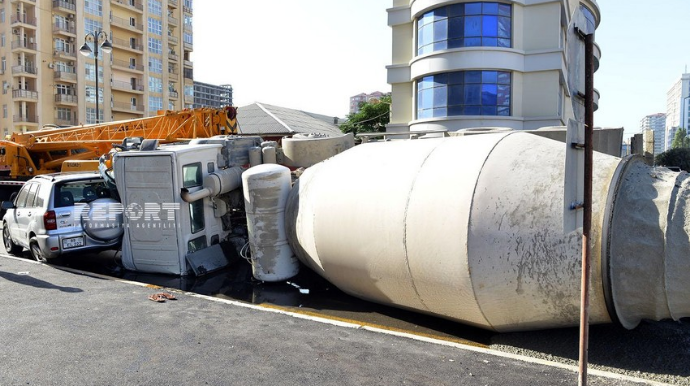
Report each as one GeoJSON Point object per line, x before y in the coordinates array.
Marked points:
{"type": "Point", "coordinates": [85, 50]}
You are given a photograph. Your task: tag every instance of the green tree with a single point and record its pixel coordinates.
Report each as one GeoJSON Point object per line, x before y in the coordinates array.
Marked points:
{"type": "Point", "coordinates": [681, 139]}
{"type": "Point", "coordinates": [371, 118]}
{"type": "Point", "coordinates": [679, 157]}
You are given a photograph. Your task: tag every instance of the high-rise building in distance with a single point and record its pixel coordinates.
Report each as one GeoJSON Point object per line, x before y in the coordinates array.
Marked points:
{"type": "Point", "coordinates": [46, 80]}
{"type": "Point", "coordinates": [210, 95]}
{"type": "Point", "coordinates": [657, 124]}
{"type": "Point", "coordinates": [677, 108]}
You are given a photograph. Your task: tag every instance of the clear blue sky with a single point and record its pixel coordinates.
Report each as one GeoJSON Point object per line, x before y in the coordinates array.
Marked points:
{"type": "Point", "coordinates": [314, 54]}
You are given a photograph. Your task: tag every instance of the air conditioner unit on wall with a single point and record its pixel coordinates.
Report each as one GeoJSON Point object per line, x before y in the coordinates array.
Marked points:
{"type": "Point", "coordinates": [70, 16]}
{"type": "Point", "coordinates": [15, 31]}
{"type": "Point", "coordinates": [71, 39]}
{"type": "Point", "coordinates": [70, 63]}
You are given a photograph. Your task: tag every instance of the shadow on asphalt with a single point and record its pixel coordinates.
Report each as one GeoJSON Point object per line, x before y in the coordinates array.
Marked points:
{"type": "Point", "coordinates": [36, 283]}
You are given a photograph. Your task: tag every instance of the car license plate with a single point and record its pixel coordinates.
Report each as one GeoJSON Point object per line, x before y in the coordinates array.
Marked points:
{"type": "Point", "coordinates": [72, 242]}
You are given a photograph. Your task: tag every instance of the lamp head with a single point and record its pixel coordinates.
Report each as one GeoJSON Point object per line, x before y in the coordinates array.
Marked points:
{"type": "Point", "coordinates": [106, 46]}
{"type": "Point", "coordinates": [85, 50]}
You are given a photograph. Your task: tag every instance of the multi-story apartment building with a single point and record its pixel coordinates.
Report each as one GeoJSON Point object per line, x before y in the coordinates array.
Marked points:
{"type": "Point", "coordinates": [657, 124]}
{"type": "Point", "coordinates": [463, 64]}
{"type": "Point", "coordinates": [358, 99]}
{"type": "Point", "coordinates": [45, 79]}
{"type": "Point", "coordinates": [210, 95]}
{"type": "Point", "coordinates": [677, 108]}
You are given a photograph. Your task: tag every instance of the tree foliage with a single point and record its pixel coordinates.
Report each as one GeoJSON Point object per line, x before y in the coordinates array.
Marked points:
{"type": "Point", "coordinates": [371, 118]}
{"type": "Point", "coordinates": [681, 139]}
{"type": "Point", "coordinates": [679, 157]}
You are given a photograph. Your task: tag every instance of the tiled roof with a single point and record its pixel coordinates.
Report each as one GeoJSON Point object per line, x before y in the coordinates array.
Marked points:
{"type": "Point", "coordinates": [263, 119]}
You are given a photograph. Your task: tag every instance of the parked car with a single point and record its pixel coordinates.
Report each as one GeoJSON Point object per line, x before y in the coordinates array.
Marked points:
{"type": "Point", "coordinates": [52, 215]}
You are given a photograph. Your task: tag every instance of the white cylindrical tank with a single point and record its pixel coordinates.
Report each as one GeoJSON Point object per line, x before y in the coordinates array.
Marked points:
{"type": "Point", "coordinates": [255, 157]}
{"type": "Point", "coordinates": [303, 151]}
{"type": "Point", "coordinates": [471, 229]}
{"type": "Point", "coordinates": [269, 155]}
{"type": "Point", "coordinates": [266, 189]}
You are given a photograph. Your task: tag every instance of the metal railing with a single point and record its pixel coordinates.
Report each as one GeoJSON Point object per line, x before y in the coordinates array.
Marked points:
{"type": "Point", "coordinates": [173, 94]}
{"type": "Point", "coordinates": [25, 94]}
{"type": "Point", "coordinates": [64, 27]}
{"type": "Point", "coordinates": [173, 56]}
{"type": "Point", "coordinates": [25, 118]}
{"type": "Point", "coordinates": [127, 65]}
{"type": "Point", "coordinates": [24, 44]}
{"type": "Point", "coordinates": [173, 71]}
{"type": "Point", "coordinates": [128, 106]}
{"type": "Point", "coordinates": [173, 39]}
{"type": "Point", "coordinates": [174, 3]}
{"type": "Point", "coordinates": [137, 45]}
{"type": "Point", "coordinates": [127, 86]}
{"type": "Point", "coordinates": [129, 4]}
{"type": "Point", "coordinates": [24, 19]}
{"type": "Point", "coordinates": [64, 4]}
{"type": "Point", "coordinates": [71, 54]}
{"type": "Point", "coordinates": [65, 122]}
{"type": "Point", "coordinates": [24, 70]}
{"type": "Point", "coordinates": [118, 21]}
{"type": "Point", "coordinates": [173, 20]}
{"type": "Point", "coordinates": [64, 98]}
{"type": "Point", "coordinates": [65, 75]}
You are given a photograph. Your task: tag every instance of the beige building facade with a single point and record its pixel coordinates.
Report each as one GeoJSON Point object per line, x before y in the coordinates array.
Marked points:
{"type": "Point", "coordinates": [46, 80]}
{"type": "Point", "coordinates": [459, 64]}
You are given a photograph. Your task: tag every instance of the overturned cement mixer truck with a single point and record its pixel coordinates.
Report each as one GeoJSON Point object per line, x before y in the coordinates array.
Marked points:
{"type": "Point", "coordinates": [470, 229]}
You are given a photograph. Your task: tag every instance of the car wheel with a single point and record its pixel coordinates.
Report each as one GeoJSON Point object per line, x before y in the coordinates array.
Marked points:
{"type": "Point", "coordinates": [36, 250]}
{"type": "Point", "coordinates": [10, 246]}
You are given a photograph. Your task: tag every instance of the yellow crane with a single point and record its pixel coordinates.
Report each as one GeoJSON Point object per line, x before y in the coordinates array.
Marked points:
{"type": "Point", "coordinates": [25, 155]}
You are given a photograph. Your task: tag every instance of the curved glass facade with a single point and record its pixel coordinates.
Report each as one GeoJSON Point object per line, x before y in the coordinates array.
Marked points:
{"type": "Point", "coordinates": [464, 93]}
{"type": "Point", "coordinates": [465, 25]}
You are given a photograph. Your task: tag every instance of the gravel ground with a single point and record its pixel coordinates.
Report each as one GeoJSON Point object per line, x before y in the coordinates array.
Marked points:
{"type": "Point", "coordinates": [656, 351]}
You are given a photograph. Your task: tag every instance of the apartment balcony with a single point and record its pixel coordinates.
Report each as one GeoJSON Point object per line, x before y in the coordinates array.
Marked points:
{"type": "Point", "coordinates": [188, 63]}
{"type": "Point", "coordinates": [173, 71]}
{"type": "Point", "coordinates": [65, 29]}
{"type": "Point", "coordinates": [24, 20]}
{"type": "Point", "coordinates": [24, 70]}
{"type": "Point", "coordinates": [137, 87]}
{"type": "Point", "coordinates": [65, 76]}
{"type": "Point", "coordinates": [65, 122]}
{"type": "Point", "coordinates": [129, 45]}
{"type": "Point", "coordinates": [65, 6]}
{"type": "Point", "coordinates": [127, 107]}
{"type": "Point", "coordinates": [67, 100]}
{"type": "Point", "coordinates": [173, 21]}
{"type": "Point", "coordinates": [173, 3]}
{"type": "Point", "coordinates": [127, 66]}
{"type": "Point", "coordinates": [65, 54]}
{"type": "Point", "coordinates": [24, 1]}
{"type": "Point", "coordinates": [173, 40]}
{"type": "Point", "coordinates": [25, 119]}
{"type": "Point", "coordinates": [126, 24]}
{"type": "Point", "coordinates": [188, 46]}
{"type": "Point", "coordinates": [23, 44]}
{"type": "Point", "coordinates": [187, 9]}
{"type": "Point", "coordinates": [129, 4]}
{"type": "Point", "coordinates": [25, 95]}
{"type": "Point", "coordinates": [189, 99]}
{"type": "Point", "coordinates": [173, 94]}
{"type": "Point", "coordinates": [173, 56]}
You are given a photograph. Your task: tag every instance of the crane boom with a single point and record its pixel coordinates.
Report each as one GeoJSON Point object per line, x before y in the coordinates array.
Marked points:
{"type": "Point", "coordinates": [25, 155]}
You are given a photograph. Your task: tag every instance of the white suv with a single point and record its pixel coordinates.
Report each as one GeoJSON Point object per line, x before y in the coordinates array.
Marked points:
{"type": "Point", "coordinates": [51, 216]}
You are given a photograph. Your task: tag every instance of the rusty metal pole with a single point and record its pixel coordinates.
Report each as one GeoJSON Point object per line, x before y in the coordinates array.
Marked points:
{"type": "Point", "coordinates": [587, 215]}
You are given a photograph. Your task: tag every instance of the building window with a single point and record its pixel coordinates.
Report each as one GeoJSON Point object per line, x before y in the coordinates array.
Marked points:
{"type": "Point", "coordinates": [464, 93]}
{"type": "Point", "coordinates": [589, 16]}
{"type": "Point", "coordinates": [63, 89]}
{"type": "Point", "coordinates": [90, 93]}
{"type": "Point", "coordinates": [187, 38]}
{"type": "Point", "coordinates": [155, 103]}
{"type": "Point", "coordinates": [2, 40]}
{"type": "Point", "coordinates": [2, 15]}
{"type": "Point", "coordinates": [155, 65]}
{"type": "Point", "coordinates": [465, 25]}
{"type": "Point", "coordinates": [155, 26]}
{"type": "Point", "coordinates": [4, 111]}
{"type": "Point", "coordinates": [94, 7]}
{"type": "Point", "coordinates": [90, 71]}
{"type": "Point", "coordinates": [64, 114]}
{"type": "Point", "coordinates": [90, 26]}
{"type": "Point", "coordinates": [189, 90]}
{"type": "Point", "coordinates": [155, 7]}
{"type": "Point", "coordinates": [187, 22]}
{"type": "Point", "coordinates": [155, 46]}
{"type": "Point", "coordinates": [91, 115]}
{"type": "Point", "coordinates": [155, 85]}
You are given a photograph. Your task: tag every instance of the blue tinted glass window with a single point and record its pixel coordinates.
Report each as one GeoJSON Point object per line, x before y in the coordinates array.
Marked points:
{"type": "Point", "coordinates": [464, 93]}
{"type": "Point", "coordinates": [475, 24]}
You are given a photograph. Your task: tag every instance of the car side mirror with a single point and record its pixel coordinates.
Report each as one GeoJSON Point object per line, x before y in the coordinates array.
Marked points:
{"type": "Point", "coordinates": [7, 205]}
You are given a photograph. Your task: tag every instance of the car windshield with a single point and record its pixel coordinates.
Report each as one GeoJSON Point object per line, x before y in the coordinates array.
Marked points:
{"type": "Point", "coordinates": [69, 193]}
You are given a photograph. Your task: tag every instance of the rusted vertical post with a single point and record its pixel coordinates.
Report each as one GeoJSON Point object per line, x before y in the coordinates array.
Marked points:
{"type": "Point", "coordinates": [587, 215]}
